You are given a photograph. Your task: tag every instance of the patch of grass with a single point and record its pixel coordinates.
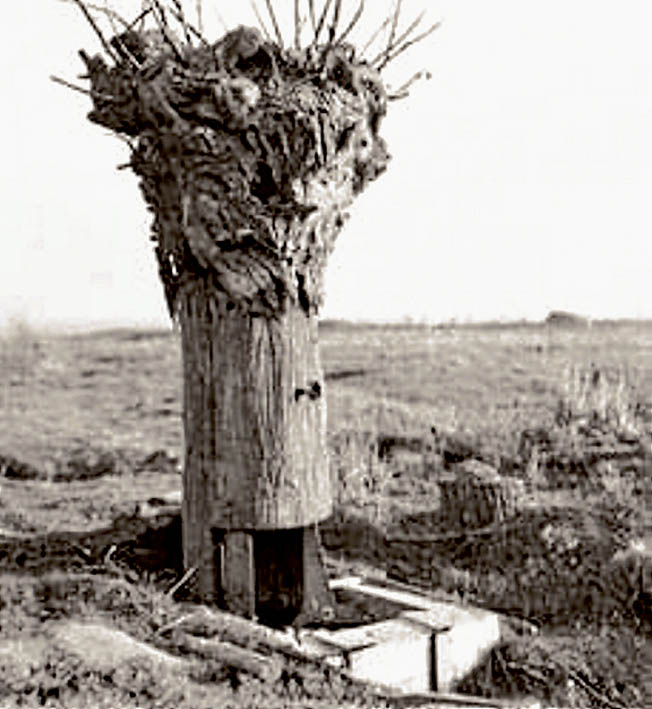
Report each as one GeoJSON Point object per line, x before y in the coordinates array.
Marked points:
{"type": "Point", "coordinates": [601, 397]}
{"type": "Point", "coordinates": [20, 352]}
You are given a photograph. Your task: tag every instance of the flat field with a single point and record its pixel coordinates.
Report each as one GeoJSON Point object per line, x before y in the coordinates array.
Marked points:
{"type": "Point", "coordinates": [90, 430]}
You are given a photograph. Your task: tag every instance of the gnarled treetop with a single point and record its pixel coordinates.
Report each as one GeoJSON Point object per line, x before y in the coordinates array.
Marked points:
{"type": "Point", "coordinates": [248, 151]}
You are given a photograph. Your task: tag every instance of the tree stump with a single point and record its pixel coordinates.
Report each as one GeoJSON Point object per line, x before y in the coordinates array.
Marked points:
{"type": "Point", "coordinates": [475, 495]}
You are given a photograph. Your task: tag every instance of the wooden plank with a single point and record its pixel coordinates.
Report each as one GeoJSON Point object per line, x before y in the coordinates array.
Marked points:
{"type": "Point", "coordinates": [408, 599]}
{"type": "Point", "coordinates": [237, 574]}
{"type": "Point", "coordinates": [318, 601]}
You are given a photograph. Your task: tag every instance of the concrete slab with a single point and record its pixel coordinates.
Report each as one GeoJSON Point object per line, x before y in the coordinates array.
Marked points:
{"type": "Point", "coordinates": [431, 645]}
{"type": "Point", "coordinates": [393, 653]}
{"type": "Point", "coordinates": [470, 636]}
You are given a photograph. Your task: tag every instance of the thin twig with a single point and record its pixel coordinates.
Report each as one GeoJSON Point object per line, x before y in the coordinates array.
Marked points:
{"type": "Point", "coordinates": [109, 17]}
{"type": "Point", "coordinates": [165, 31]}
{"type": "Point", "coordinates": [162, 18]}
{"type": "Point", "coordinates": [82, 90]}
{"type": "Point", "coordinates": [140, 18]}
{"type": "Point", "coordinates": [398, 40]}
{"type": "Point", "coordinates": [123, 48]}
{"type": "Point", "coordinates": [407, 45]}
{"type": "Point", "coordinates": [322, 19]}
{"type": "Point", "coordinates": [270, 10]}
{"type": "Point", "coordinates": [371, 40]}
{"type": "Point", "coordinates": [110, 13]}
{"type": "Point", "coordinates": [392, 31]}
{"type": "Point", "coordinates": [193, 30]}
{"type": "Point", "coordinates": [352, 24]}
{"type": "Point", "coordinates": [200, 18]}
{"type": "Point", "coordinates": [336, 18]}
{"type": "Point", "coordinates": [260, 21]}
{"type": "Point", "coordinates": [225, 27]}
{"type": "Point", "coordinates": [98, 31]}
{"type": "Point", "coordinates": [313, 19]}
{"type": "Point", "coordinates": [181, 19]}
{"type": "Point", "coordinates": [183, 580]}
{"type": "Point", "coordinates": [297, 25]}
{"type": "Point", "coordinates": [402, 90]}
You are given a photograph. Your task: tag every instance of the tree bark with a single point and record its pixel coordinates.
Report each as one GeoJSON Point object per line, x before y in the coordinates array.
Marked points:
{"type": "Point", "coordinates": [255, 424]}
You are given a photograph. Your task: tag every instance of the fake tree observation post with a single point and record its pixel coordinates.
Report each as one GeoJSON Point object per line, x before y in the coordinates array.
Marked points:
{"type": "Point", "coordinates": [249, 153]}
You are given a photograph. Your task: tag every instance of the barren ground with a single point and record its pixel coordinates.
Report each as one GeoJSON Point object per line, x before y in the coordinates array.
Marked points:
{"type": "Point", "coordinates": [90, 428]}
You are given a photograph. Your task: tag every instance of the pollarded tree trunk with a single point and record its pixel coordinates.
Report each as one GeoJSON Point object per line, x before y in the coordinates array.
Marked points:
{"type": "Point", "coordinates": [249, 154]}
{"type": "Point", "coordinates": [254, 418]}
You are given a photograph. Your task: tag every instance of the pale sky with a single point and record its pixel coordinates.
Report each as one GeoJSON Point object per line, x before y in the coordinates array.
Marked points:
{"type": "Point", "coordinates": [521, 180]}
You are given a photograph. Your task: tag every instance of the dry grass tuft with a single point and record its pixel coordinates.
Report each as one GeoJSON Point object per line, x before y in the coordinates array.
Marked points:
{"type": "Point", "coordinates": [599, 397]}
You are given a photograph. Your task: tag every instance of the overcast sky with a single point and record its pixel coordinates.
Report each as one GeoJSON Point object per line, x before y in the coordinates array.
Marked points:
{"type": "Point", "coordinates": [521, 180]}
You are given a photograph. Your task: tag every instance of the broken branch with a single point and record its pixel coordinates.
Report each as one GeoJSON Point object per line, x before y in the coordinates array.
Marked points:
{"type": "Point", "coordinates": [402, 90]}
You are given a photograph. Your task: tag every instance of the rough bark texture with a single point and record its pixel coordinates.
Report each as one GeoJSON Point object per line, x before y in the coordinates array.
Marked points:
{"type": "Point", "coordinates": [255, 425]}
{"type": "Point", "coordinates": [254, 416]}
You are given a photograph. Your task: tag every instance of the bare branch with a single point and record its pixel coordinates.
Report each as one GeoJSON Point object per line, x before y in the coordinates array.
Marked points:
{"type": "Point", "coordinates": [270, 10]}
{"type": "Point", "coordinates": [322, 19]}
{"type": "Point", "coordinates": [193, 30]}
{"type": "Point", "coordinates": [336, 18]}
{"type": "Point", "coordinates": [122, 47]}
{"type": "Point", "coordinates": [140, 18]}
{"type": "Point", "coordinates": [297, 25]}
{"type": "Point", "coordinates": [392, 31]}
{"type": "Point", "coordinates": [98, 31]}
{"type": "Point", "coordinates": [407, 45]}
{"type": "Point", "coordinates": [390, 48]}
{"type": "Point", "coordinates": [81, 89]}
{"type": "Point", "coordinates": [165, 30]}
{"type": "Point", "coordinates": [225, 27]}
{"type": "Point", "coordinates": [403, 90]}
{"type": "Point", "coordinates": [313, 19]}
{"type": "Point", "coordinates": [110, 13]}
{"type": "Point", "coordinates": [181, 19]}
{"type": "Point", "coordinates": [375, 34]}
{"type": "Point", "coordinates": [109, 17]}
{"type": "Point", "coordinates": [161, 18]}
{"type": "Point", "coordinates": [352, 24]}
{"type": "Point", "coordinates": [260, 21]}
{"type": "Point", "coordinates": [200, 17]}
